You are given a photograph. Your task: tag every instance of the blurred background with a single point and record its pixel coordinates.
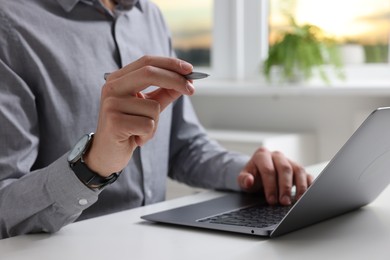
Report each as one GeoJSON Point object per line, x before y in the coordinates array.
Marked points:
{"type": "Point", "coordinates": [307, 118]}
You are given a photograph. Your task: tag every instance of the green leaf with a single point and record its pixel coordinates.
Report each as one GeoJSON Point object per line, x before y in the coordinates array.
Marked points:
{"type": "Point", "coordinates": [302, 50]}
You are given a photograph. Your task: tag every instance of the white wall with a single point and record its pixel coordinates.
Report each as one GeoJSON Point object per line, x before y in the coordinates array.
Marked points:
{"type": "Point", "coordinates": [332, 114]}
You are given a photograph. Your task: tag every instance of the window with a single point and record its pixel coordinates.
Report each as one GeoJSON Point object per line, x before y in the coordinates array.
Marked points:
{"type": "Point", "coordinates": [190, 23]}
{"type": "Point", "coordinates": [231, 37]}
{"type": "Point", "coordinates": [361, 27]}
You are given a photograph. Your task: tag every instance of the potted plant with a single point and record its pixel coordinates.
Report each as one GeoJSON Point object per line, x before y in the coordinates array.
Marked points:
{"type": "Point", "coordinates": [302, 51]}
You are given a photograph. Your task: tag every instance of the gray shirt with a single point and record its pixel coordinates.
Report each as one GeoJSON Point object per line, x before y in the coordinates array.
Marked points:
{"type": "Point", "coordinates": [53, 54]}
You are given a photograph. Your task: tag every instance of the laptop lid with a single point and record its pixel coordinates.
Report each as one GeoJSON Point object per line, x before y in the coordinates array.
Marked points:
{"type": "Point", "coordinates": [356, 175]}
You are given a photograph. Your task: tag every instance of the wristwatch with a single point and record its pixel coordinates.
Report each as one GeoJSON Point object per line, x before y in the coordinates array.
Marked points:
{"type": "Point", "coordinates": [90, 178]}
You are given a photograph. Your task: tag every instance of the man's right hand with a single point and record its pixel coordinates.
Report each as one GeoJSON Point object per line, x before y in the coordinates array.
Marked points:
{"type": "Point", "coordinates": [128, 118]}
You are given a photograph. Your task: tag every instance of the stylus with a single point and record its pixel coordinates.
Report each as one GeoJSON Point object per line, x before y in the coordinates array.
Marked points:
{"type": "Point", "coordinates": [192, 76]}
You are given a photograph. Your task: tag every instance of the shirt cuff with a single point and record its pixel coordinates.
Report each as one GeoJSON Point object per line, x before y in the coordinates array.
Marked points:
{"type": "Point", "coordinates": [66, 190]}
{"type": "Point", "coordinates": [233, 171]}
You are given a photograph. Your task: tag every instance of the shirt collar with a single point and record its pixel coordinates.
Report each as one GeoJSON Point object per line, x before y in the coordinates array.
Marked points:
{"type": "Point", "coordinates": [68, 5]}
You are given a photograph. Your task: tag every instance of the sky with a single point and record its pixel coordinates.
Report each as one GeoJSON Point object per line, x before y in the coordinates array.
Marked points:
{"type": "Point", "coordinates": [366, 21]}
{"type": "Point", "coordinates": [190, 21]}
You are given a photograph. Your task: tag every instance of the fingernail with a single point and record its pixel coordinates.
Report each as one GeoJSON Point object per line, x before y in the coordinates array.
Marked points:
{"type": "Point", "coordinates": [186, 66]}
{"type": "Point", "coordinates": [286, 200]}
{"type": "Point", "coordinates": [272, 200]}
{"type": "Point", "coordinates": [247, 182]}
{"type": "Point", "coordinates": [190, 88]}
{"type": "Point", "coordinates": [299, 196]}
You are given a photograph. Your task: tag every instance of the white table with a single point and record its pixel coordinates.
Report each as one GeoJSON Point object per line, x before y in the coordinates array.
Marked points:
{"type": "Point", "coordinates": [363, 234]}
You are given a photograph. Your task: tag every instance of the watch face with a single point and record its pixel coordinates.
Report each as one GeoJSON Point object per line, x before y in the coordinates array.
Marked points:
{"type": "Point", "coordinates": [77, 151]}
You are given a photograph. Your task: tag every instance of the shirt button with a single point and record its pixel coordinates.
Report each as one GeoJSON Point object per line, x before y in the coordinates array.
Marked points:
{"type": "Point", "coordinates": [149, 193]}
{"type": "Point", "coordinates": [83, 202]}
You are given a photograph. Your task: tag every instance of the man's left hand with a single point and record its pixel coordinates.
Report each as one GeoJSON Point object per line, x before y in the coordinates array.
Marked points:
{"type": "Point", "coordinates": [275, 175]}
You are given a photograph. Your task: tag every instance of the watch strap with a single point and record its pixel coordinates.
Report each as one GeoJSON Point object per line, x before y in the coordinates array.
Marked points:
{"type": "Point", "coordinates": [90, 178]}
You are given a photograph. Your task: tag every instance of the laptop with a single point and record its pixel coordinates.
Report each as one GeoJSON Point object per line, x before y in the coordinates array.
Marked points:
{"type": "Point", "coordinates": [355, 176]}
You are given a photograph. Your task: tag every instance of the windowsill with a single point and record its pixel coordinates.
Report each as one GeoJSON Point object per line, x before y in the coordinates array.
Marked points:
{"type": "Point", "coordinates": [259, 88]}
{"type": "Point", "coordinates": [360, 80]}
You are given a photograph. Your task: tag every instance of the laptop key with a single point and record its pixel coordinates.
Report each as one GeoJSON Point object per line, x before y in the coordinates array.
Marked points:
{"type": "Point", "coordinates": [253, 216]}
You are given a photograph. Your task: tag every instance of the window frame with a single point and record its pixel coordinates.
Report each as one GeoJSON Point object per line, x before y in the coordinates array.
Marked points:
{"type": "Point", "coordinates": [238, 51]}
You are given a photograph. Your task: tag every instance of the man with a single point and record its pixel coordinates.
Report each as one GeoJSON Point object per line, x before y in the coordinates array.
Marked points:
{"type": "Point", "coordinates": [53, 56]}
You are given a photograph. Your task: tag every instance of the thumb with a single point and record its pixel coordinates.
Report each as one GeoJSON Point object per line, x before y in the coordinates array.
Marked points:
{"type": "Point", "coordinates": [246, 181]}
{"type": "Point", "coordinates": [163, 96]}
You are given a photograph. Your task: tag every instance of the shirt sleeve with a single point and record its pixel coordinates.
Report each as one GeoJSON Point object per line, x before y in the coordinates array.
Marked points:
{"type": "Point", "coordinates": [32, 200]}
{"type": "Point", "coordinates": [196, 159]}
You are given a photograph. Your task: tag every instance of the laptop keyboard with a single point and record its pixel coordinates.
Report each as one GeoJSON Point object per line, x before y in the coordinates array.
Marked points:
{"type": "Point", "coordinates": [257, 216]}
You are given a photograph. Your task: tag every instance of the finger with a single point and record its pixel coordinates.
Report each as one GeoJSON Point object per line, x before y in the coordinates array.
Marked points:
{"type": "Point", "coordinates": [139, 80]}
{"type": "Point", "coordinates": [130, 116]}
{"type": "Point", "coordinates": [143, 107]}
{"type": "Point", "coordinates": [140, 95]}
{"type": "Point", "coordinates": [138, 106]}
{"type": "Point", "coordinates": [124, 131]}
{"type": "Point", "coordinates": [158, 110]}
{"type": "Point", "coordinates": [167, 63]}
{"type": "Point", "coordinates": [310, 179]}
{"type": "Point", "coordinates": [285, 177]}
{"type": "Point", "coordinates": [129, 125]}
{"type": "Point", "coordinates": [163, 96]}
{"type": "Point", "coordinates": [267, 171]}
{"type": "Point", "coordinates": [300, 179]}
{"type": "Point", "coordinates": [140, 128]}
{"type": "Point", "coordinates": [246, 181]}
